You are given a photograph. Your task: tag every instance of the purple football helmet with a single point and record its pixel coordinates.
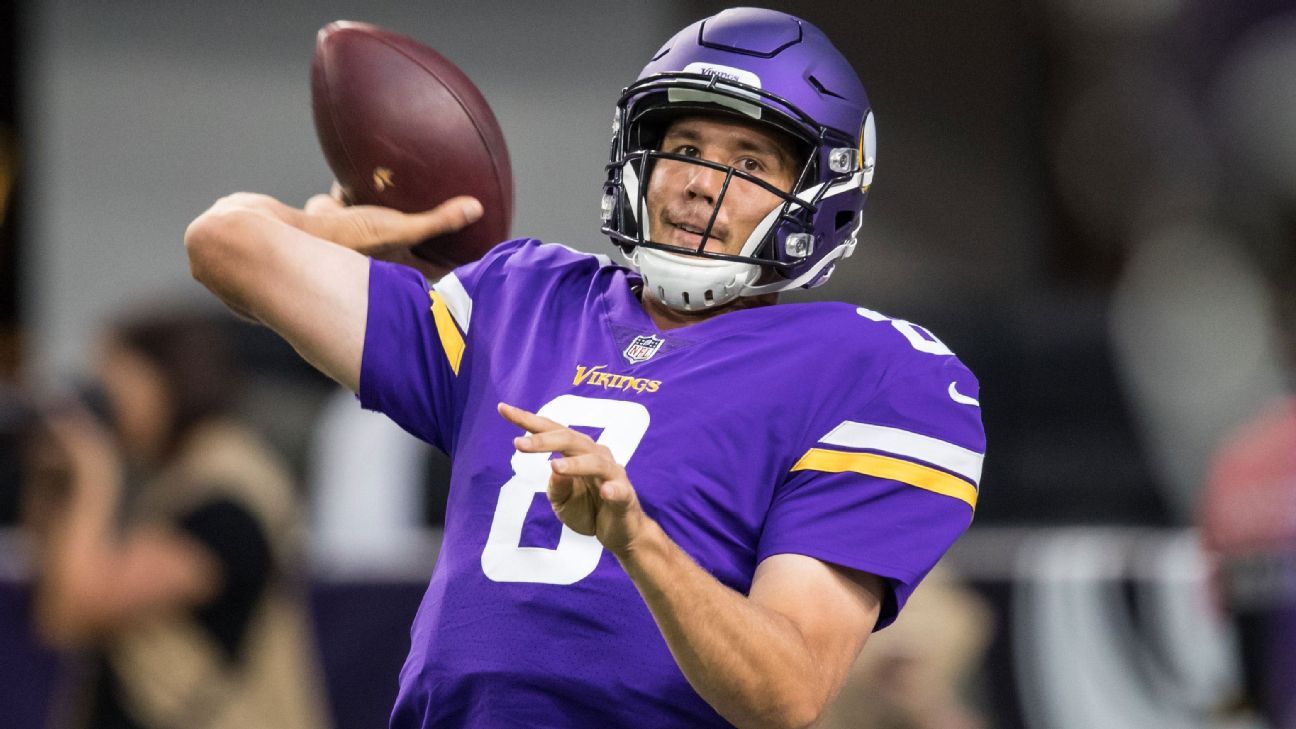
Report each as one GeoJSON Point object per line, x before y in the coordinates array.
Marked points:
{"type": "Point", "coordinates": [758, 65]}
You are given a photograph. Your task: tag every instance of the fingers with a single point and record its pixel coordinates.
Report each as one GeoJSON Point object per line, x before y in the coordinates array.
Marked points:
{"type": "Point", "coordinates": [548, 436]}
{"type": "Point", "coordinates": [379, 228]}
{"type": "Point", "coordinates": [565, 441]}
{"type": "Point", "coordinates": [450, 216]}
{"type": "Point", "coordinates": [596, 471]}
{"type": "Point", "coordinates": [617, 493]}
{"type": "Point", "coordinates": [375, 230]}
{"type": "Point", "coordinates": [588, 465]}
{"type": "Point", "coordinates": [585, 465]}
{"type": "Point", "coordinates": [527, 420]}
{"type": "Point", "coordinates": [560, 490]}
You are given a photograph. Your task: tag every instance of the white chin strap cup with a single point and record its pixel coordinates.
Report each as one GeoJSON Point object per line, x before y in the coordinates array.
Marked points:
{"type": "Point", "coordinates": [692, 283]}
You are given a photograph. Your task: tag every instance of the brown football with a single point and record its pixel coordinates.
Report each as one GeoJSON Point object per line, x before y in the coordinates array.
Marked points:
{"type": "Point", "coordinates": [401, 126]}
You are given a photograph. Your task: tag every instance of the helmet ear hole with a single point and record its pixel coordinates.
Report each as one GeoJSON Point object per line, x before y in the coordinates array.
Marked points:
{"type": "Point", "coordinates": [845, 218]}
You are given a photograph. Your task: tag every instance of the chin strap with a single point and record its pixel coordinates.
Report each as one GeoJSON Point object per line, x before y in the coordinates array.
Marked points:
{"type": "Point", "coordinates": [691, 283]}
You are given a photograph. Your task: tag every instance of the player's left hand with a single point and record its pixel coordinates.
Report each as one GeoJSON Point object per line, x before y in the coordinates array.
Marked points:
{"type": "Point", "coordinates": [589, 491]}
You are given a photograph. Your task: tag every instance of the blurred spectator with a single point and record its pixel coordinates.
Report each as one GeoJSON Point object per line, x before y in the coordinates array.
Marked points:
{"type": "Point", "coordinates": [168, 544]}
{"type": "Point", "coordinates": [1249, 526]}
{"type": "Point", "coordinates": [916, 674]}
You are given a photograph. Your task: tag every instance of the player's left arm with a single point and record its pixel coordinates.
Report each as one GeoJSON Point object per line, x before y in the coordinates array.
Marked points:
{"type": "Point", "coordinates": [773, 658]}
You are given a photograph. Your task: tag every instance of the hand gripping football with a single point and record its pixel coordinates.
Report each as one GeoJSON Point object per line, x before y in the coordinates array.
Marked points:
{"type": "Point", "coordinates": [401, 126]}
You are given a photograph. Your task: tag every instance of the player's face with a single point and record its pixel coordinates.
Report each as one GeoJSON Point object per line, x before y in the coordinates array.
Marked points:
{"type": "Point", "coordinates": [681, 195]}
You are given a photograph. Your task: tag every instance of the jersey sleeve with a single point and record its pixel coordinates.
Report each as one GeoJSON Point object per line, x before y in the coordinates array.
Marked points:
{"type": "Point", "coordinates": [419, 338]}
{"type": "Point", "coordinates": [890, 483]}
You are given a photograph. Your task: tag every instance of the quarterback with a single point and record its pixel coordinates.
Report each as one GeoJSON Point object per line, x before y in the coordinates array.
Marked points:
{"type": "Point", "coordinates": [675, 500]}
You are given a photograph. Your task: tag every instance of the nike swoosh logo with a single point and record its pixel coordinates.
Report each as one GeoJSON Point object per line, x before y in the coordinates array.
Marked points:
{"type": "Point", "coordinates": [959, 397]}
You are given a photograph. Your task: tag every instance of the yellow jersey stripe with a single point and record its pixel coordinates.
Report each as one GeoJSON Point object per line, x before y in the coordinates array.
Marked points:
{"type": "Point", "coordinates": [872, 464]}
{"type": "Point", "coordinates": [452, 342]}
{"type": "Point", "coordinates": [457, 300]}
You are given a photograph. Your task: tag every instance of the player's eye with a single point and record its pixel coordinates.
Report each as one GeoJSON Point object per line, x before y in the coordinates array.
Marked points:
{"type": "Point", "coordinates": [688, 150]}
{"type": "Point", "coordinates": [752, 165]}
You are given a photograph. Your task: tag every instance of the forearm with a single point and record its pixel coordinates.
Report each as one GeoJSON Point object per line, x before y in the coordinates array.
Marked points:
{"type": "Point", "coordinates": [312, 292]}
{"type": "Point", "coordinates": [767, 659]}
{"type": "Point", "coordinates": [749, 662]}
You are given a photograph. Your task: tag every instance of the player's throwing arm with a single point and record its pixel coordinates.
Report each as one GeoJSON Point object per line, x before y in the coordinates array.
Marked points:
{"type": "Point", "coordinates": [304, 272]}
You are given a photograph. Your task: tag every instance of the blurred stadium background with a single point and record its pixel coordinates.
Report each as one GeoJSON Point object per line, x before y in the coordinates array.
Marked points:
{"type": "Point", "coordinates": [1092, 201]}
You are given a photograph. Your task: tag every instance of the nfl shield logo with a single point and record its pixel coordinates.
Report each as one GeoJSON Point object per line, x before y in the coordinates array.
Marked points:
{"type": "Point", "coordinates": [643, 348]}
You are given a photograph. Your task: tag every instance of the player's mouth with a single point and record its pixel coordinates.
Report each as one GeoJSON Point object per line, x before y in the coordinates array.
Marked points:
{"type": "Point", "coordinates": [688, 234]}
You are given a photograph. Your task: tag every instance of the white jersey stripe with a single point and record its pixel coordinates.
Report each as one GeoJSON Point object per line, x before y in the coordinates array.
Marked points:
{"type": "Point", "coordinates": [456, 300]}
{"type": "Point", "coordinates": [953, 458]}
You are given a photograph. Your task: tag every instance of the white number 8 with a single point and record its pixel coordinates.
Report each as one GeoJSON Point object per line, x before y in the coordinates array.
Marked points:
{"type": "Point", "coordinates": [919, 338]}
{"type": "Point", "coordinates": [504, 559]}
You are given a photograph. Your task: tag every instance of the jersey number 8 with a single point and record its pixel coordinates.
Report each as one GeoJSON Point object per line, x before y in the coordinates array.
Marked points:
{"type": "Point", "coordinates": [623, 425]}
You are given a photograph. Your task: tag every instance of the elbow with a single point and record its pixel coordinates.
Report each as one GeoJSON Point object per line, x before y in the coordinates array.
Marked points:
{"type": "Point", "coordinates": [806, 720]}
{"type": "Point", "coordinates": [788, 712]}
{"type": "Point", "coordinates": [802, 708]}
{"type": "Point", "coordinates": [801, 715]}
{"type": "Point", "coordinates": [204, 240]}
{"type": "Point", "coordinates": [194, 238]}
{"type": "Point", "coordinates": [212, 241]}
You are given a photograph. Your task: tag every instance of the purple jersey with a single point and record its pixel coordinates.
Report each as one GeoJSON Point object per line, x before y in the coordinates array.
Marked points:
{"type": "Point", "coordinates": [820, 429]}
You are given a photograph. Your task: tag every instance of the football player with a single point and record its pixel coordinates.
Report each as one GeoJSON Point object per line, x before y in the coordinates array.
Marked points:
{"type": "Point", "coordinates": [675, 501]}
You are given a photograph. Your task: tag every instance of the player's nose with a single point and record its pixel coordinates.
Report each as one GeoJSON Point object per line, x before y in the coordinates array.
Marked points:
{"type": "Point", "coordinates": [704, 182]}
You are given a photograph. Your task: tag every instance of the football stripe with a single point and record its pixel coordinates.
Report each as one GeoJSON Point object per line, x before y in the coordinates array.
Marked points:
{"type": "Point", "coordinates": [457, 300]}
{"type": "Point", "coordinates": [452, 342]}
{"type": "Point", "coordinates": [954, 458]}
{"type": "Point", "coordinates": [872, 464]}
